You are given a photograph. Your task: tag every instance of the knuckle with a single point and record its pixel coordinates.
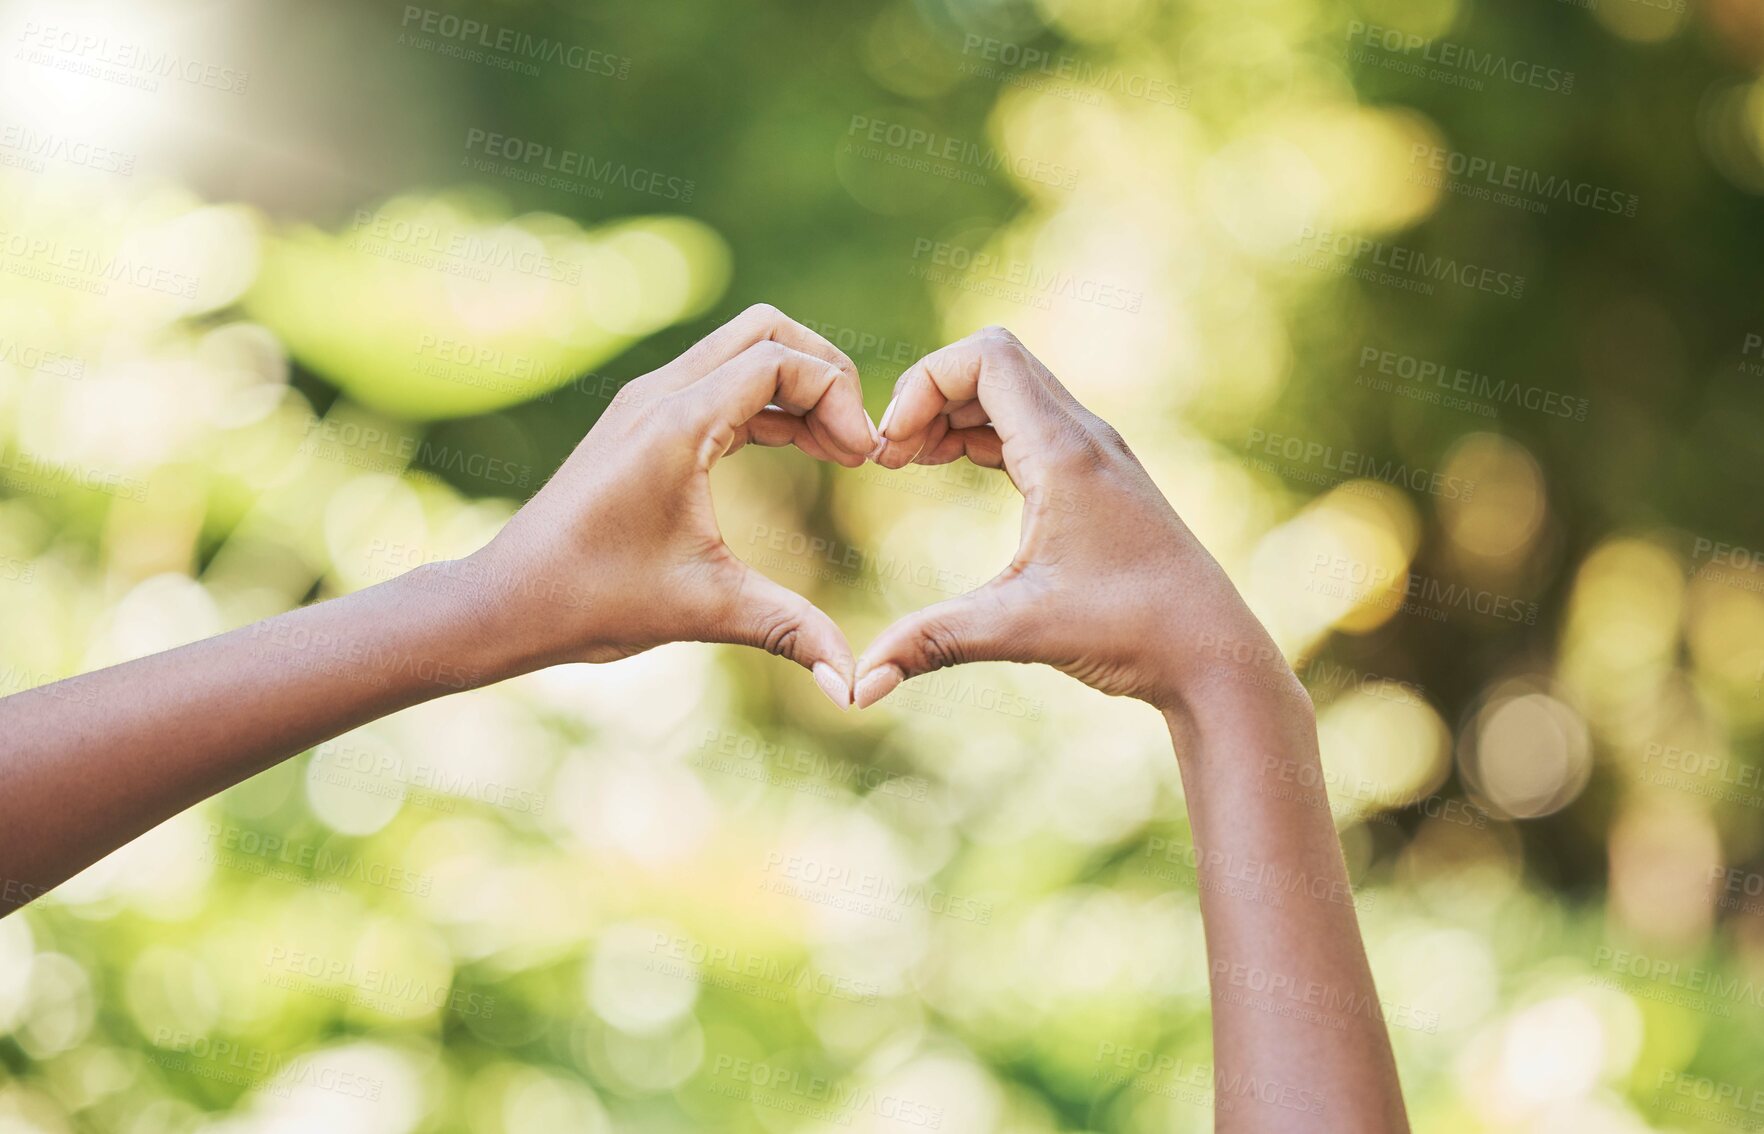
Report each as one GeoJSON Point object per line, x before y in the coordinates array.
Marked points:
{"type": "Point", "coordinates": [1080, 450]}
{"type": "Point", "coordinates": [673, 408]}
{"type": "Point", "coordinates": [781, 636]}
{"type": "Point", "coordinates": [769, 351]}
{"type": "Point", "coordinates": [842, 362]}
{"type": "Point", "coordinates": [939, 647]}
{"type": "Point", "coordinates": [998, 344]}
{"type": "Point", "coordinates": [632, 396]}
{"type": "Point", "coordinates": [1106, 435]}
{"type": "Point", "coordinates": [762, 315]}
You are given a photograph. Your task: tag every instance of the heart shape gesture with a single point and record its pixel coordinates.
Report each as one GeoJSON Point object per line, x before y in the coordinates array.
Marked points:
{"type": "Point", "coordinates": [620, 552]}
{"type": "Point", "coordinates": [1106, 575]}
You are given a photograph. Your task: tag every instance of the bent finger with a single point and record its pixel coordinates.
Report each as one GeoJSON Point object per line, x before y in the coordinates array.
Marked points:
{"type": "Point", "coordinates": [774, 429]}
{"type": "Point", "coordinates": [980, 445]}
{"type": "Point", "coordinates": [760, 323]}
{"type": "Point", "coordinates": [767, 373]}
{"type": "Point", "coordinates": [989, 367]}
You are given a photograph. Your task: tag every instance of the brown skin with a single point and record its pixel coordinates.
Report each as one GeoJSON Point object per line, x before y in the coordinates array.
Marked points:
{"type": "Point", "coordinates": [619, 552]}
{"type": "Point", "coordinates": [639, 483]}
{"type": "Point", "coordinates": [1110, 586]}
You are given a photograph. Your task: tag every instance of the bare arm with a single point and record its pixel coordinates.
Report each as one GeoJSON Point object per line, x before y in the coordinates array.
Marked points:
{"type": "Point", "coordinates": [1110, 586]}
{"type": "Point", "coordinates": [619, 552]}
{"type": "Point", "coordinates": [89, 763]}
{"type": "Point", "coordinates": [1298, 1035]}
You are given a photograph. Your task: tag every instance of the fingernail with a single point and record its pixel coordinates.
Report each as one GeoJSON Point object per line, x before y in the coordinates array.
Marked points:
{"type": "Point", "coordinates": [837, 689]}
{"type": "Point", "coordinates": [877, 441]}
{"type": "Point", "coordinates": [877, 684]}
{"type": "Point", "coordinates": [887, 415]}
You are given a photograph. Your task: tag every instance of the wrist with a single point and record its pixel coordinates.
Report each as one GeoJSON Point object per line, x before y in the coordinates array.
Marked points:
{"type": "Point", "coordinates": [1252, 760]}
{"type": "Point", "coordinates": [1243, 708]}
{"type": "Point", "coordinates": [465, 615]}
{"type": "Point", "coordinates": [1225, 669]}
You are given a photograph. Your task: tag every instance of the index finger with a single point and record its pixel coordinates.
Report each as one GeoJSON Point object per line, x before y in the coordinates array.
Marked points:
{"type": "Point", "coordinates": [757, 324]}
{"type": "Point", "coordinates": [989, 367]}
{"type": "Point", "coordinates": [769, 373]}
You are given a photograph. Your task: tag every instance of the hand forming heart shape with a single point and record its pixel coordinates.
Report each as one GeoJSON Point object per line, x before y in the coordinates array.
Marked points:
{"type": "Point", "coordinates": [1104, 579]}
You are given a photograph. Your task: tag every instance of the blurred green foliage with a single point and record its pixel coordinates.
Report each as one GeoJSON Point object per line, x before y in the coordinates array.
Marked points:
{"type": "Point", "coordinates": [1437, 321]}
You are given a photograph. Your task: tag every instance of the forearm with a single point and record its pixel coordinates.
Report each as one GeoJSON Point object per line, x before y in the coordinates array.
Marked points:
{"type": "Point", "coordinates": [1299, 1037]}
{"type": "Point", "coordinates": [618, 552]}
{"type": "Point", "coordinates": [89, 763]}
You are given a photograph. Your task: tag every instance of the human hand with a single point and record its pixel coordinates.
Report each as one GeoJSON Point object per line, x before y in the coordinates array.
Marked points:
{"type": "Point", "coordinates": [1107, 584]}
{"type": "Point", "coordinates": [620, 551]}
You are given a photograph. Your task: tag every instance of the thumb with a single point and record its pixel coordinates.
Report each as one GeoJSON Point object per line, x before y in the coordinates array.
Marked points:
{"type": "Point", "coordinates": [976, 626]}
{"type": "Point", "coordinates": [776, 619]}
